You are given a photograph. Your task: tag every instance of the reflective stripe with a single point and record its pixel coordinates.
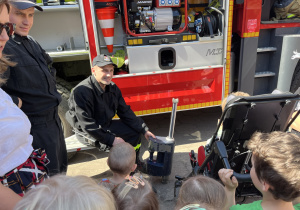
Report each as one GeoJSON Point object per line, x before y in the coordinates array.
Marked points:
{"type": "Point", "coordinates": [137, 146]}
{"type": "Point", "coordinates": [108, 23]}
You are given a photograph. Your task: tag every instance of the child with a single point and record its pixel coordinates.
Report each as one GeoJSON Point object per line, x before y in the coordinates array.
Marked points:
{"type": "Point", "coordinates": [275, 172]}
{"type": "Point", "coordinates": [223, 105]}
{"type": "Point", "coordinates": [121, 161]}
{"type": "Point", "coordinates": [135, 193]}
{"type": "Point", "coordinates": [202, 192]}
{"type": "Point", "coordinates": [65, 192]}
{"type": "Point", "coordinates": [232, 96]}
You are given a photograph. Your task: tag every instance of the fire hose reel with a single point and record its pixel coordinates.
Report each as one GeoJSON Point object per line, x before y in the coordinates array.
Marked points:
{"type": "Point", "coordinates": [208, 24]}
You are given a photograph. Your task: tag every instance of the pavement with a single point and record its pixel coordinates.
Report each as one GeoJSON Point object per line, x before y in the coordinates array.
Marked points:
{"type": "Point", "coordinates": [192, 129]}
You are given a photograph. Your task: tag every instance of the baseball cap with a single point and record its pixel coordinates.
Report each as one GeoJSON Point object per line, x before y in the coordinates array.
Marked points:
{"type": "Point", "coordinates": [24, 4]}
{"type": "Point", "coordinates": [102, 60]}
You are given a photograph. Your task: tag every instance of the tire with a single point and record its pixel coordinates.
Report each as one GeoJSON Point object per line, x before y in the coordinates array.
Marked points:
{"type": "Point", "coordinates": [71, 154]}
{"type": "Point", "coordinates": [64, 89]}
{"type": "Point", "coordinates": [296, 79]}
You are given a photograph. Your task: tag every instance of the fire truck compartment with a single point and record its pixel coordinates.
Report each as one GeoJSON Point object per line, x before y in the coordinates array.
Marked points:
{"type": "Point", "coordinates": [149, 58]}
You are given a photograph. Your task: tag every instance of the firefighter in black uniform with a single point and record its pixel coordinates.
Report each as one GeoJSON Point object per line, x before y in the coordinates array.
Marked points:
{"type": "Point", "coordinates": [95, 101]}
{"type": "Point", "coordinates": [31, 84]}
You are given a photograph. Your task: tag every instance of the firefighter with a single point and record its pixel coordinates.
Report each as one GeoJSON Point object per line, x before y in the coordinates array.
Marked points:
{"type": "Point", "coordinates": [286, 9]}
{"type": "Point", "coordinates": [95, 101]}
{"type": "Point", "coordinates": [31, 84]}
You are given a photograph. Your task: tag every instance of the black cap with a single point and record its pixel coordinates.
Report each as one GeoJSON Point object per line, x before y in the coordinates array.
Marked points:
{"type": "Point", "coordinates": [24, 4]}
{"type": "Point", "coordinates": [102, 60]}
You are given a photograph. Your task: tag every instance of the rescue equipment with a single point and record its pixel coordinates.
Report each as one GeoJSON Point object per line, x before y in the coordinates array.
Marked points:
{"type": "Point", "coordinates": [144, 20]}
{"type": "Point", "coordinates": [164, 146]}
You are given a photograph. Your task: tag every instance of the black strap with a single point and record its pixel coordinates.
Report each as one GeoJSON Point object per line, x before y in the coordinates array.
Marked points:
{"type": "Point", "coordinates": [208, 21]}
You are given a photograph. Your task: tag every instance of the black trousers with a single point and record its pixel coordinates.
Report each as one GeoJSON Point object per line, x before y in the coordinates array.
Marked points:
{"type": "Point", "coordinates": [118, 128]}
{"type": "Point", "coordinates": [125, 132]}
{"type": "Point", "coordinates": [47, 134]}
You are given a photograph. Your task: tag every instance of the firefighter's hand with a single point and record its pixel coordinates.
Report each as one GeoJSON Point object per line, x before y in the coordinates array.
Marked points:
{"type": "Point", "coordinates": [118, 140]}
{"type": "Point", "coordinates": [228, 180]}
{"type": "Point", "coordinates": [148, 134]}
{"type": "Point", "coordinates": [20, 103]}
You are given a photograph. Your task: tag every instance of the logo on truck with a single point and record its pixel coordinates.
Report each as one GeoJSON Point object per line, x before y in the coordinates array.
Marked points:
{"type": "Point", "coordinates": [216, 51]}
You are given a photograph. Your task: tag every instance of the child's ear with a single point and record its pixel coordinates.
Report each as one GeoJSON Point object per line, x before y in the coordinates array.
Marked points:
{"type": "Point", "coordinates": [133, 167]}
{"type": "Point", "coordinates": [265, 186]}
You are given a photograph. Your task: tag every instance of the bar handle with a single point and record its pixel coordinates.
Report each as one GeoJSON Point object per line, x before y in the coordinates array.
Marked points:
{"type": "Point", "coordinates": [173, 117]}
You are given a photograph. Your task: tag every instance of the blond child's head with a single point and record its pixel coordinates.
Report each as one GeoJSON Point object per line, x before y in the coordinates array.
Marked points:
{"type": "Point", "coordinates": [231, 96]}
{"type": "Point", "coordinates": [135, 193]}
{"type": "Point", "coordinates": [62, 192]}
{"type": "Point", "coordinates": [276, 164]}
{"type": "Point", "coordinates": [205, 191]}
{"type": "Point", "coordinates": [121, 159]}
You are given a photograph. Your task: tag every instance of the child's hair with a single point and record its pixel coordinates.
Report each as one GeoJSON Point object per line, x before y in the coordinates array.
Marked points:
{"type": "Point", "coordinates": [205, 191]}
{"type": "Point", "coordinates": [135, 193]}
{"type": "Point", "coordinates": [121, 158]}
{"type": "Point", "coordinates": [276, 158]}
{"type": "Point", "coordinates": [231, 96]}
{"type": "Point", "coordinates": [62, 192]}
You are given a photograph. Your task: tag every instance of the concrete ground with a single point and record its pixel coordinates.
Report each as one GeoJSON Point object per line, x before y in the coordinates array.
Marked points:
{"type": "Point", "coordinates": [192, 129]}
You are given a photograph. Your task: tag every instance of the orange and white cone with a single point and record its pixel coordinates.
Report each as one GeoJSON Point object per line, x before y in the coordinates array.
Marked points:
{"type": "Point", "coordinates": [106, 18]}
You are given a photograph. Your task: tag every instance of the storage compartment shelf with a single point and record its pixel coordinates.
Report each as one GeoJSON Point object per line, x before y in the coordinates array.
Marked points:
{"type": "Point", "coordinates": [69, 55]}
{"type": "Point", "coordinates": [61, 8]}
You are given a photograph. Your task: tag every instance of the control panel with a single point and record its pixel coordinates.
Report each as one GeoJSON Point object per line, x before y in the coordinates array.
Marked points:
{"type": "Point", "coordinates": [168, 3]}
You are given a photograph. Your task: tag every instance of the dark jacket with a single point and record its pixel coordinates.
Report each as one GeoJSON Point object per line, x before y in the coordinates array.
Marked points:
{"type": "Point", "coordinates": [91, 110]}
{"type": "Point", "coordinates": [33, 78]}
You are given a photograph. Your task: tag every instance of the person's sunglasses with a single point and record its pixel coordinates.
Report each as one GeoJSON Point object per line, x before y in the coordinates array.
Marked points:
{"type": "Point", "coordinates": [9, 27]}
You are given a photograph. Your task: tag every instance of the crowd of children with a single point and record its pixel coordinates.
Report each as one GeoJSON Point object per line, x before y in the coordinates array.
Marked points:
{"type": "Point", "coordinates": [275, 173]}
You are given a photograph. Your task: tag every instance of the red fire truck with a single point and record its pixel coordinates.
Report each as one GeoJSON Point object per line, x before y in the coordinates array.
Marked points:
{"type": "Point", "coordinates": [193, 50]}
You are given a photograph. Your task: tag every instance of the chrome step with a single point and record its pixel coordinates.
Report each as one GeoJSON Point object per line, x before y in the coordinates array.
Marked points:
{"type": "Point", "coordinates": [264, 74]}
{"type": "Point", "coordinates": [266, 49]}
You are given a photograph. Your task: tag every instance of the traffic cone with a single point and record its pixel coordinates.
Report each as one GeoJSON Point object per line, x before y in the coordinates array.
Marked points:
{"type": "Point", "coordinates": [106, 17]}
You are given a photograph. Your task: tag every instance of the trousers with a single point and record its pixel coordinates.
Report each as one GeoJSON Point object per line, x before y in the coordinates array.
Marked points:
{"type": "Point", "coordinates": [116, 127]}
{"type": "Point", "coordinates": [47, 134]}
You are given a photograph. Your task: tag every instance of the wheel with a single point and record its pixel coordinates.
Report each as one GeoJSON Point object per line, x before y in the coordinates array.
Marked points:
{"type": "Point", "coordinates": [71, 154]}
{"type": "Point", "coordinates": [296, 78]}
{"type": "Point", "coordinates": [64, 89]}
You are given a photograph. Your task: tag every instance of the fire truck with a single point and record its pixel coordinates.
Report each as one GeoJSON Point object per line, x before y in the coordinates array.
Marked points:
{"type": "Point", "coordinates": [195, 50]}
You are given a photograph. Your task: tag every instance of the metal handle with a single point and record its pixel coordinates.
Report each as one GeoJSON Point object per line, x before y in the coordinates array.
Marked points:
{"type": "Point", "coordinates": [173, 117]}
